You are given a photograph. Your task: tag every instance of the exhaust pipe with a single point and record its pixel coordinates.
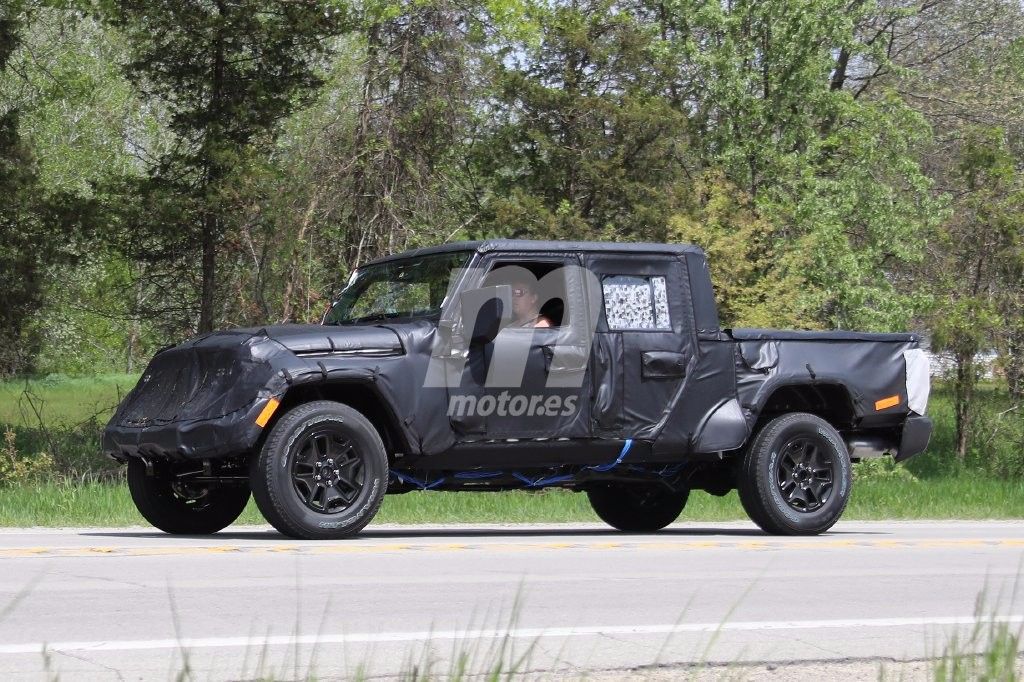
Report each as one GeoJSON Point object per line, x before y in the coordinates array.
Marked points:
{"type": "Point", "coordinates": [866, 447]}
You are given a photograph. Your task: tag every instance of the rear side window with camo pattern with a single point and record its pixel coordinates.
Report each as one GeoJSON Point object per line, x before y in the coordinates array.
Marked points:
{"type": "Point", "coordinates": [636, 303]}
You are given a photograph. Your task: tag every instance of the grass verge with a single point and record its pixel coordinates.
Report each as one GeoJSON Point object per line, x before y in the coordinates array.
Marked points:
{"type": "Point", "coordinates": [58, 400]}
{"type": "Point", "coordinates": [108, 504]}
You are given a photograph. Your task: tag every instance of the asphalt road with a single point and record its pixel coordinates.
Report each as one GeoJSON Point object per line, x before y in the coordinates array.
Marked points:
{"type": "Point", "coordinates": [572, 600]}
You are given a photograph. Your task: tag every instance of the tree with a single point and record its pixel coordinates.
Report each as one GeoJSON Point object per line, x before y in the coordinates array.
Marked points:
{"type": "Point", "coordinates": [980, 260]}
{"type": "Point", "coordinates": [377, 164]}
{"type": "Point", "coordinates": [227, 72]}
{"type": "Point", "coordinates": [19, 286]}
{"type": "Point", "coordinates": [768, 89]}
{"type": "Point", "coordinates": [581, 142]}
{"type": "Point", "coordinates": [402, 167]}
{"type": "Point", "coordinates": [80, 121]}
{"type": "Point", "coordinates": [34, 223]}
{"type": "Point", "coordinates": [972, 101]}
{"type": "Point", "coordinates": [759, 279]}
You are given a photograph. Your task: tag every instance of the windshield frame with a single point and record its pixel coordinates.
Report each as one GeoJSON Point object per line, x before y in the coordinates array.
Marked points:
{"type": "Point", "coordinates": [362, 278]}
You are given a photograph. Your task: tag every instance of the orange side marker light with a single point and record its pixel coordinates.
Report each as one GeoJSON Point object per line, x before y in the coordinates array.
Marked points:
{"type": "Point", "coordinates": [884, 403]}
{"type": "Point", "coordinates": [267, 412]}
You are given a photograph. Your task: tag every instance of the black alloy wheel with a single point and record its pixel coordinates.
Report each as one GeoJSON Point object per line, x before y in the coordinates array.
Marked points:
{"type": "Point", "coordinates": [795, 476]}
{"type": "Point", "coordinates": [322, 472]}
{"type": "Point", "coordinates": [804, 473]}
{"type": "Point", "coordinates": [326, 471]}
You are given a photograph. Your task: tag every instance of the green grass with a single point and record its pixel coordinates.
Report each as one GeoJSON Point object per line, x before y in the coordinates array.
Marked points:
{"type": "Point", "coordinates": [89, 504]}
{"type": "Point", "coordinates": [964, 497]}
{"type": "Point", "coordinates": [61, 400]}
{"type": "Point", "coordinates": [99, 504]}
{"type": "Point", "coordinates": [990, 651]}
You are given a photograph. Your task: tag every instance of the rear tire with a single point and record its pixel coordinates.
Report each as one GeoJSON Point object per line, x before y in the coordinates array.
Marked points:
{"type": "Point", "coordinates": [184, 509]}
{"type": "Point", "coordinates": [637, 508]}
{"type": "Point", "coordinates": [796, 475]}
{"type": "Point", "coordinates": [322, 472]}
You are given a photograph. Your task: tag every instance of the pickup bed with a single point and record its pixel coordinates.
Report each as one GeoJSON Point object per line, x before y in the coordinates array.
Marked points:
{"type": "Point", "coordinates": [512, 364]}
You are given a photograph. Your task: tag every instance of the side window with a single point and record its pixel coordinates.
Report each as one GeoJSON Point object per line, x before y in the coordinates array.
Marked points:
{"type": "Point", "coordinates": [539, 292]}
{"type": "Point", "coordinates": [634, 302]}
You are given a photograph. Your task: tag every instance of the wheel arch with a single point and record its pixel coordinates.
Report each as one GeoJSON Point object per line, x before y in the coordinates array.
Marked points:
{"type": "Point", "coordinates": [830, 400]}
{"type": "Point", "coordinates": [360, 396]}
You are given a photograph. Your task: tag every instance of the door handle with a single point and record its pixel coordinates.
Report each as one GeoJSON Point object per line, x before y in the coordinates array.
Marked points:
{"type": "Point", "coordinates": [660, 364]}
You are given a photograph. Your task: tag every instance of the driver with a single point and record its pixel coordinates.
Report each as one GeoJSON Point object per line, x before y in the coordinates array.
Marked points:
{"type": "Point", "coordinates": [525, 306]}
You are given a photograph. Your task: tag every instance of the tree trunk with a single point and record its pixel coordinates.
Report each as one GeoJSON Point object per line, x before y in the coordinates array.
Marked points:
{"type": "Point", "coordinates": [963, 394]}
{"type": "Point", "coordinates": [1014, 364]}
{"type": "Point", "coordinates": [214, 173]}
{"type": "Point", "coordinates": [133, 327]}
{"type": "Point", "coordinates": [209, 272]}
{"type": "Point", "coordinates": [294, 280]}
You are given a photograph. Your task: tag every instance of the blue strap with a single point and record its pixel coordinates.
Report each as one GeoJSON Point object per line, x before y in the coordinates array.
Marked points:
{"type": "Point", "coordinates": [618, 460]}
{"type": "Point", "coordinates": [529, 482]}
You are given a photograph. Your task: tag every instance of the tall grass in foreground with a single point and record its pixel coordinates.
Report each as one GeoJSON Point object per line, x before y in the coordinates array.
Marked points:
{"type": "Point", "coordinates": [108, 504]}
{"type": "Point", "coordinates": [989, 652]}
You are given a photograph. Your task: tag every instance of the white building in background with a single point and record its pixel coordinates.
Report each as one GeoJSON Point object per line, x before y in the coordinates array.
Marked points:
{"type": "Point", "coordinates": [942, 364]}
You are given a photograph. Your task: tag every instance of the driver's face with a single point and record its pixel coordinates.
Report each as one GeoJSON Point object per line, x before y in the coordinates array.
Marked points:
{"type": "Point", "coordinates": [524, 300]}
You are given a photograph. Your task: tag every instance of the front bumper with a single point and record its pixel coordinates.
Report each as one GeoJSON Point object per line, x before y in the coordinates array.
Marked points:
{"type": "Point", "coordinates": [917, 431]}
{"type": "Point", "coordinates": [232, 434]}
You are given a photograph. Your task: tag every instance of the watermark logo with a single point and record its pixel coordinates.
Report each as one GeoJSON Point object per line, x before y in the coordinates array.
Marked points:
{"type": "Point", "coordinates": [506, 404]}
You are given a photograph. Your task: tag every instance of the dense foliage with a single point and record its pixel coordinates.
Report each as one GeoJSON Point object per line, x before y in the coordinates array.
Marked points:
{"type": "Point", "coordinates": [172, 166]}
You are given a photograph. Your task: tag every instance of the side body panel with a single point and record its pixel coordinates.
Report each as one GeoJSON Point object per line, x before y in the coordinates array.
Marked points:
{"type": "Point", "coordinates": [702, 417]}
{"type": "Point", "coordinates": [870, 368]}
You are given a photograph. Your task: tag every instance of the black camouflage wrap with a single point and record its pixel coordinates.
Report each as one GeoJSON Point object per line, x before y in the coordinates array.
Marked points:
{"type": "Point", "coordinates": [689, 391]}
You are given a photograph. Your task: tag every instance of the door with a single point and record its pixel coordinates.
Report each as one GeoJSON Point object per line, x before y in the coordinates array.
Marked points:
{"type": "Point", "coordinates": [531, 379]}
{"type": "Point", "coordinates": [642, 344]}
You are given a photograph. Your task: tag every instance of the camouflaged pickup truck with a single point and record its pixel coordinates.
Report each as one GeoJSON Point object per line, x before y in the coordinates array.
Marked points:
{"type": "Point", "coordinates": [499, 365]}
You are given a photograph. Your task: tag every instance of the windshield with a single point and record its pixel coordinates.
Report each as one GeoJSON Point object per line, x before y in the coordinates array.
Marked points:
{"type": "Point", "coordinates": [411, 287]}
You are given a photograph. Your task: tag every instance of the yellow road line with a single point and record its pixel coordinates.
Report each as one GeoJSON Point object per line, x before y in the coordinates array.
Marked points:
{"type": "Point", "coordinates": [356, 547]}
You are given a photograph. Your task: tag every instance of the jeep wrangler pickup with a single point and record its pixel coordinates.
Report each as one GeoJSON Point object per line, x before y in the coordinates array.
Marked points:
{"type": "Point", "coordinates": [510, 364]}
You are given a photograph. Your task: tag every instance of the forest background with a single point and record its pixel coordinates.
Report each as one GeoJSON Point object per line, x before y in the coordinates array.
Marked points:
{"type": "Point", "coordinates": [171, 167]}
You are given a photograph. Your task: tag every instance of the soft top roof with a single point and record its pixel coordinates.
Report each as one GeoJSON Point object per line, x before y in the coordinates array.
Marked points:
{"type": "Point", "coordinates": [744, 334]}
{"type": "Point", "coordinates": [488, 245]}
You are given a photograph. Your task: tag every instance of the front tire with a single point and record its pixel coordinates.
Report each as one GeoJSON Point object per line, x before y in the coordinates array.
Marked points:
{"type": "Point", "coordinates": [795, 477]}
{"type": "Point", "coordinates": [637, 508]}
{"type": "Point", "coordinates": [182, 508]}
{"type": "Point", "coordinates": [322, 472]}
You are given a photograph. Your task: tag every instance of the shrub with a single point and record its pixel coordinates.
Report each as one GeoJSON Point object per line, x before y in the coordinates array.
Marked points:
{"type": "Point", "coordinates": [64, 454]}
{"type": "Point", "coordinates": [17, 469]}
{"type": "Point", "coordinates": [882, 469]}
{"type": "Point", "coordinates": [1000, 441]}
